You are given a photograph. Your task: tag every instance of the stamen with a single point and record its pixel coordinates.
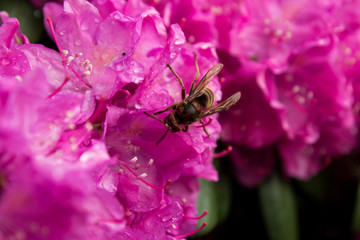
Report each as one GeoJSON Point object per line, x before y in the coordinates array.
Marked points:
{"type": "Point", "coordinates": [223, 153]}
{"type": "Point", "coordinates": [89, 67]}
{"type": "Point", "coordinates": [197, 218]}
{"type": "Point", "coordinates": [24, 39]}
{"type": "Point", "coordinates": [222, 80]}
{"type": "Point", "coordinates": [59, 88]}
{"type": "Point", "coordinates": [189, 234]}
{"type": "Point", "coordinates": [69, 59]}
{"type": "Point", "coordinates": [182, 23]}
{"type": "Point", "coordinates": [48, 19]}
{"type": "Point", "coordinates": [150, 163]}
{"type": "Point", "coordinates": [134, 159]}
{"type": "Point", "coordinates": [111, 220]}
{"type": "Point", "coordinates": [146, 183]}
{"type": "Point", "coordinates": [143, 175]}
{"type": "Point", "coordinates": [64, 52]}
{"type": "Point", "coordinates": [205, 124]}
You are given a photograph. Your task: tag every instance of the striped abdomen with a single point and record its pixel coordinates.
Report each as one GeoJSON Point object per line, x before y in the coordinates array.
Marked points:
{"type": "Point", "coordinates": [206, 100]}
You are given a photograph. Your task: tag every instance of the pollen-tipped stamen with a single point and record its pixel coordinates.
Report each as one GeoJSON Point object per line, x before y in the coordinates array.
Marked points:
{"type": "Point", "coordinates": [192, 233]}
{"type": "Point", "coordinates": [223, 153]}
{"type": "Point", "coordinates": [182, 23]}
{"type": "Point", "coordinates": [52, 29]}
{"type": "Point", "coordinates": [197, 218]}
{"type": "Point", "coordinates": [222, 80]}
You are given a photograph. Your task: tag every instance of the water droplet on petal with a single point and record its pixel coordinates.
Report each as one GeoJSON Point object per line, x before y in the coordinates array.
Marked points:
{"type": "Point", "coordinates": [119, 67]}
{"type": "Point", "coordinates": [84, 26]}
{"type": "Point", "coordinates": [166, 218]}
{"type": "Point", "coordinates": [78, 42]}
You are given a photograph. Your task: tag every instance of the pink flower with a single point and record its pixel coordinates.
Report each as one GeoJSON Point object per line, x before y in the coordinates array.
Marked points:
{"type": "Point", "coordinates": [41, 3]}
{"type": "Point", "coordinates": [256, 121]}
{"type": "Point", "coordinates": [79, 116]}
{"type": "Point", "coordinates": [10, 32]}
{"type": "Point", "coordinates": [287, 59]}
{"type": "Point", "coordinates": [44, 181]}
{"type": "Point", "coordinates": [143, 170]}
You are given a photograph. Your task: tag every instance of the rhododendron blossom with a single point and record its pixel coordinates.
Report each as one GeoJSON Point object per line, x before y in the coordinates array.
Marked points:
{"type": "Point", "coordinates": [294, 63]}
{"type": "Point", "coordinates": [88, 166]}
{"type": "Point", "coordinates": [82, 155]}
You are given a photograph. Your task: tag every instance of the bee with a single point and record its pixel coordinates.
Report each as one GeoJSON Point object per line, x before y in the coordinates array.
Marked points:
{"type": "Point", "coordinates": [197, 105]}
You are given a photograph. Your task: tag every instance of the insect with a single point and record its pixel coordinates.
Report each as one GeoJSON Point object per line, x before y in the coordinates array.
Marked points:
{"type": "Point", "coordinates": [197, 105]}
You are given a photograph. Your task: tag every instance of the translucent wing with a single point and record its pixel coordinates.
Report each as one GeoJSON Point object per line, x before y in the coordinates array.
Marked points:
{"type": "Point", "coordinates": [225, 105]}
{"type": "Point", "coordinates": [197, 91]}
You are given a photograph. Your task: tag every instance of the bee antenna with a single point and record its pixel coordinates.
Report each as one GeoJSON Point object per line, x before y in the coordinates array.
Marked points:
{"type": "Point", "coordinates": [162, 138]}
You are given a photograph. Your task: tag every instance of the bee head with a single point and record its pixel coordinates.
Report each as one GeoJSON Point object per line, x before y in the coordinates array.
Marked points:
{"type": "Point", "coordinates": [172, 123]}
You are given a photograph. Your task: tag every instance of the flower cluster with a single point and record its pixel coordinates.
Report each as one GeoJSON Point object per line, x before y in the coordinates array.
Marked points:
{"type": "Point", "coordinates": [78, 158]}
{"type": "Point", "coordinates": [297, 66]}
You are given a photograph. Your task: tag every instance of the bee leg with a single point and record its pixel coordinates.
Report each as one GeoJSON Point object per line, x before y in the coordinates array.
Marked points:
{"type": "Point", "coordinates": [162, 138]}
{"type": "Point", "coordinates": [180, 81]}
{"type": "Point", "coordinates": [166, 109]}
{"type": "Point", "coordinates": [197, 73]}
{"type": "Point", "coordinates": [186, 128]}
{"type": "Point", "coordinates": [150, 115]}
{"type": "Point", "coordinates": [203, 124]}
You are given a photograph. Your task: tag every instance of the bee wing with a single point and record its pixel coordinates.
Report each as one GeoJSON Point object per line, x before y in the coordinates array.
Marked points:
{"type": "Point", "coordinates": [197, 91]}
{"type": "Point", "coordinates": [225, 105]}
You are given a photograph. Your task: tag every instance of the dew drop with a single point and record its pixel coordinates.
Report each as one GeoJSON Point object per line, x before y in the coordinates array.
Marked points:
{"type": "Point", "coordinates": [172, 55]}
{"type": "Point", "coordinates": [166, 218]}
{"type": "Point", "coordinates": [84, 26]}
{"type": "Point", "coordinates": [62, 33]}
{"type": "Point", "coordinates": [119, 67]}
{"type": "Point", "coordinates": [77, 42]}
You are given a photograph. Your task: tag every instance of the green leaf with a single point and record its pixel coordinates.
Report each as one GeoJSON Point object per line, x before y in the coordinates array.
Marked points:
{"type": "Point", "coordinates": [279, 209]}
{"type": "Point", "coordinates": [317, 187]}
{"type": "Point", "coordinates": [214, 197]}
{"type": "Point", "coordinates": [356, 216]}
